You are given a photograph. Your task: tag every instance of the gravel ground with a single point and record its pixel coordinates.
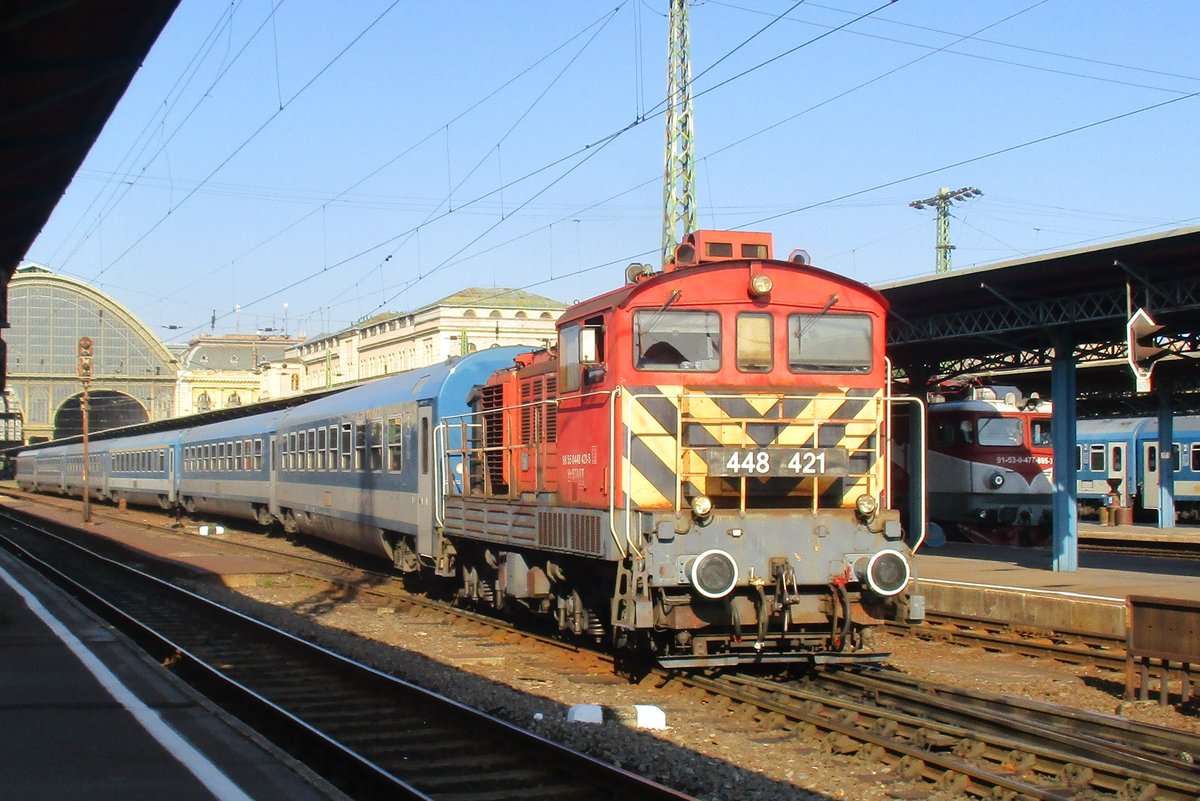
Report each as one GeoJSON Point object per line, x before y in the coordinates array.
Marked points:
{"type": "Point", "coordinates": [703, 751]}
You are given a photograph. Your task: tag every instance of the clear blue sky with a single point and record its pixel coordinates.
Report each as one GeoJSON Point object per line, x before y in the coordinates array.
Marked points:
{"type": "Point", "coordinates": [347, 158]}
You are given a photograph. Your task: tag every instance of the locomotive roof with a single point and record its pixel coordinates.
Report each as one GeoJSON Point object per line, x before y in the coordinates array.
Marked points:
{"type": "Point", "coordinates": [619, 298]}
{"type": "Point", "coordinates": [987, 406]}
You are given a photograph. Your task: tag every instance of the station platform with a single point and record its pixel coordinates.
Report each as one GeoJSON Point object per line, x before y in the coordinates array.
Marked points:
{"type": "Point", "coordinates": [1017, 585]}
{"type": "Point", "coordinates": [83, 714]}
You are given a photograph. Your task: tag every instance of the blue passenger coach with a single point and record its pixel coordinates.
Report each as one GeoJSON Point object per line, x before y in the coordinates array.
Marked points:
{"type": "Point", "coordinates": [358, 467]}
{"type": "Point", "coordinates": [1122, 453]}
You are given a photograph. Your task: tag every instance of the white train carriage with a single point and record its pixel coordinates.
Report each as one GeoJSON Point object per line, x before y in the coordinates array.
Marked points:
{"type": "Point", "coordinates": [140, 470]}
{"type": "Point", "coordinates": [225, 468]}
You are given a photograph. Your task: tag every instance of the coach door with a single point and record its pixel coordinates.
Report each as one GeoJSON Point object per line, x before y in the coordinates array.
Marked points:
{"type": "Point", "coordinates": [1150, 482]}
{"type": "Point", "coordinates": [1118, 469]}
{"type": "Point", "coordinates": [425, 481]}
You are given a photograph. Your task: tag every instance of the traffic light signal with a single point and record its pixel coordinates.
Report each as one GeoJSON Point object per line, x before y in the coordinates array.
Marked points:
{"type": "Point", "coordinates": [85, 358]}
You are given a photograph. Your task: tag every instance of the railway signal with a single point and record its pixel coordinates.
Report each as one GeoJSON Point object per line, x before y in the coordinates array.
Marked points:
{"type": "Point", "coordinates": [85, 376]}
{"type": "Point", "coordinates": [1142, 352]}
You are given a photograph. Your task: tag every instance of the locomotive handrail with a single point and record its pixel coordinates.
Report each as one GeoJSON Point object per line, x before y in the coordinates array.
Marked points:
{"type": "Point", "coordinates": [916, 517]}
{"type": "Point", "coordinates": [444, 453]}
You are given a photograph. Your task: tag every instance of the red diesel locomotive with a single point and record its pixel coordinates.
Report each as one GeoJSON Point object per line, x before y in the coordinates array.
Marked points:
{"type": "Point", "coordinates": [698, 470]}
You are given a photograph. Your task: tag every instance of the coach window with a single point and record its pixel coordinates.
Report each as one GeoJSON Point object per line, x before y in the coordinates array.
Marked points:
{"type": "Point", "coordinates": [322, 447]}
{"type": "Point", "coordinates": [239, 454]}
{"type": "Point", "coordinates": [376, 444]}
{"type": "Point", "coordinates": [1196, 457]}
{"type": "Point", "coordinates": [333, 440]}
{"type": "Point", "coordinates": [360, 447]}
{"type": "Point", "coordinates": [1096, 459]}
{"type": "Point", "coordinates": [673, 341]}
{"type": "Point", "coordinates": [1115, 457]}
{"type": "Point", "coordinates": [1000, 432]}
{"type": "Point", "coordinates": [754, 343]}
{"type": "Point", "coordinates": [1078, 458]}
{"type": "Point", "coordinates": [829, 343]}
{"type": "Point", "coordinates": [1152, 459]}
{"type": "Point", "coordinates": [310, 457]}
{"type": "Point", "coordinates": [568, 358]}
{"type": "Point", "coordinates": [258, 454]}
{"type": "Point", "coordinates": [1175, 455]}
{"type": "Point", "coordinates": [424, 446]}
{"type": "Point", "coordinates": [347, 445]}
{"type": "Point", "coordinates": [395, 443]}
{"type": "Point", "coordinates": [293, 452]}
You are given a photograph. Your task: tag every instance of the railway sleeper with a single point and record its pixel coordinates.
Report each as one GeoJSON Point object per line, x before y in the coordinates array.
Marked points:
{"type": "Point", "coordinates": [1019, 763]}
{"type": "Point", "coordinates": [1137, 790]}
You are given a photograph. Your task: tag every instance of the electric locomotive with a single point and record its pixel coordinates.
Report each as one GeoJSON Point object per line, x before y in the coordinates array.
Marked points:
{"type": "Point", "coordinates": [698, 470]}
{"type": "Point", "coordinates": [990, 465]}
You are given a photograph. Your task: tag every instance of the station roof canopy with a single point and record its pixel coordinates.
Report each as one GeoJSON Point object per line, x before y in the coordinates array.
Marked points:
{"type": "Point", "coordinates": [63, 67]}
{"type": "Point", "coordinates": [1007, 317]}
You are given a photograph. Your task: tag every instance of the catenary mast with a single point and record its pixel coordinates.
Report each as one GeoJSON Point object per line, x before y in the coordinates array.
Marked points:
{"type": "Point", "coordinates": [679, 181]}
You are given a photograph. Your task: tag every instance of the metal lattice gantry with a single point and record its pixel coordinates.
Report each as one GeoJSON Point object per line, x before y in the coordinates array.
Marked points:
{"type": "Point", "coordinates": [942, 202]}
{"type": "Point", "coordinates": [679, 179]}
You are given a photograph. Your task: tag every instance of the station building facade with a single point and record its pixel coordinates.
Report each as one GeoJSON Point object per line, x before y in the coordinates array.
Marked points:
{"type": "Point", "coordinates": [134, 374]}
{"type": "Point", "coordinates": [472, 319]}
{"type": "Point", "coordinates": [137, 379]}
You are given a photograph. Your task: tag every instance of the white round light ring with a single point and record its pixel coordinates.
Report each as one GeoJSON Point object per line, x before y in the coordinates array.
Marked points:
{"type": "Point", "coordinates": [996, 480]}
{"type": "Point", "coordinates": [888, 573]}
{"type": "Point", "coordinates": [702, 506]}
{"type": "Point", "coordinates": [714, 573]}
{"type": "Point", "coordinates": [866, 505]}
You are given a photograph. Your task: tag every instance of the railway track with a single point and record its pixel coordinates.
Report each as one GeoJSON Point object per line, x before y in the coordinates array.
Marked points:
{"type": "Point", "coordinates": [368, 733]}
{"type": "Point", "coordinates": [951, 740]}
{"type": "Point", "coordinates": [967, 745]}
{"type": "Point", "coordinates": [1070, 647]}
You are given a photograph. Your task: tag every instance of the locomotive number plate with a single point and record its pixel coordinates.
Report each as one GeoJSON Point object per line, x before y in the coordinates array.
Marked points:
{"type": "Point", "coordinates": [792, 462]}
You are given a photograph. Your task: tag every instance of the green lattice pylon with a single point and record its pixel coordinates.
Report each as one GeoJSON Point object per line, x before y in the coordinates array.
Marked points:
{"type": "Point", "coordinates": [679, 179]}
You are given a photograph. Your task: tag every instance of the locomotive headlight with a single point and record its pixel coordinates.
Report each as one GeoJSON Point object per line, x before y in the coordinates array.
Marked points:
{"type": "Point", "coordinates": [996, 480]}
{"type": "Point", "coordinates": [713, 573]}
{"type": "Point", "coordinates": [760, 285]}
{"type": "Point", "coordinates": [885, 572]}
{"type": "Point", "coordinates": [702, 506]}
{"type": "Point", "coordinates": [866, 506]}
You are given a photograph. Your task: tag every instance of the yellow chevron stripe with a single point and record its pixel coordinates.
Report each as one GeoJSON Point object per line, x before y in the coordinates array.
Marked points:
{"type": "Point", "coordinates": [643, 493]}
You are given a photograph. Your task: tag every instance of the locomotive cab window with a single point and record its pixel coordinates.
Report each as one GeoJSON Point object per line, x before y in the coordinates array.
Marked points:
{"type": "Point", "coordinates": [672, 341]}
{"type": "Point", "coordinates": [568, 358]}
{"type": "Point", "coordinates": [1000, 432]}
{"type": "Point", "coordinates": [829, 343]}
{"type": "Point", "coordinates": [1040, 431]}
{"type": "Point", "coordinates": [1096, 459]}
{"type": "Point", "coordinates": [755, 342]}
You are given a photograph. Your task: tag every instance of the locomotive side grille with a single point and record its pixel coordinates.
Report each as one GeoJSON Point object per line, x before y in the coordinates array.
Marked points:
{"type": "Point", "coordinates": [529, 394]}
{"type": "Point", "coordinates": [585, 535]}
{"type": "Point", "coordinates": [570, 531]}
{"type": "Point", "coordinates": [551, 409]}
{"type": "Point", "coordinates": [491, 403]}
{"type": "Point", "coordinates": [552, 529]}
